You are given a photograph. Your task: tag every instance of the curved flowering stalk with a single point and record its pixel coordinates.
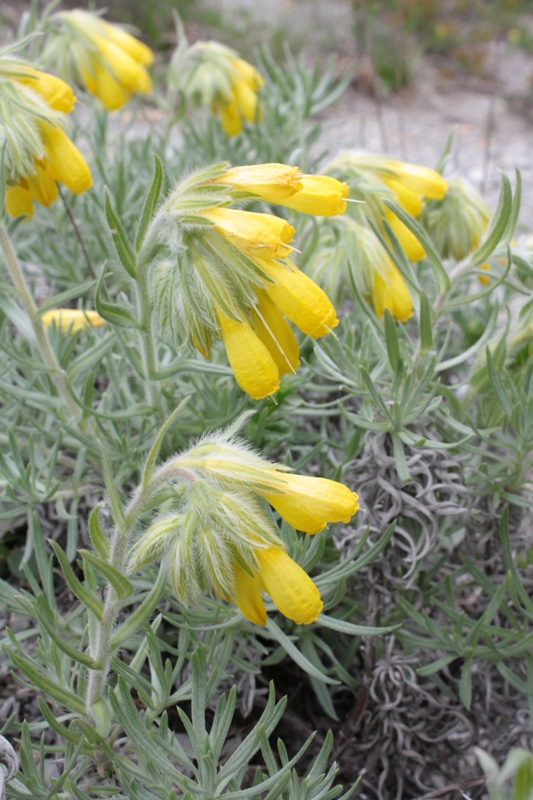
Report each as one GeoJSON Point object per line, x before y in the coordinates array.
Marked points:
{"type": "Point", "coordinates": [39, 154]}
{"type": "Point", "coordinates": [105, 59]}
{"type": "Point", "coordinates": [231, 274]}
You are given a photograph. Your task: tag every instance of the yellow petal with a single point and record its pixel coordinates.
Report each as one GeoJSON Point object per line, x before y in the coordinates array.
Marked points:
{"type": "Point", "coordinates": [132, 46]}
{"type": "Point", "coordinates": [276, 334]}
{"type": "Point", "coordinates": [308, 504]}
{"type": "Point", "coordinates": [290, 587]}
{"type": "Point", "coordinates": [392, 293]}
{"type": "Point", "coordinates": [231, 119]}
{"type": "Point", "coordinates": [19, 202]}
{"type": "Point", "coordinates": [410, 244]}
{"type": "Point", "coordinates": [422, 180]}
{"type": "Point", "coordinates": [320, 195]}
{"type": "Point", "coordinates": [246, 101]}
{"type": "Point", "coordinates": [72, 319]}
{"type": "Point", "coordinates": [254, 368]}
{"type": "Point", "coordinates": [128, 72]}
{"type": "Point", "coordinates": [407, 198]}
{"type": "Point", "coordinates": [67, 164]}
{"type": "Point", "coordinates": [101, 84]}
{"type": "Point", "coordinates": [300, 299]}
{"type": "Point", "coordinates": [55, 92]}
{"type": "Point", "coordinates": [270, 182]}
{"type": "Point", "coordinates": [261, 235]}
{"type": "Point", "coordinates": [248, 73]}
{"type": "Point", "coordinates": [248, 597]}
{"type": "Point", "coordinates": [42, 185]}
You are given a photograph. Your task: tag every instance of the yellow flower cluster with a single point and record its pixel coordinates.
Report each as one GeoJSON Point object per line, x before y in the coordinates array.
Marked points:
{"type": "Point", "coordinates": [214, 76]}
{"type": "Point", "coordinates": [108, 61]}
{"type": "Point", "coordinates": [230, 274]}
{"type": "Point", "coordinates": [263, 347]}
{"type": "Point", "coordinates": [373, 179]}
{"type": "Point", "coordinates": [38, 160]}
{"type": "Point", "coordinates": [223, 540]}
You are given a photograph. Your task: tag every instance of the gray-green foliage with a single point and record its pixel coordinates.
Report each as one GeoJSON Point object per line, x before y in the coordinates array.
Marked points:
{"type": "Point", "coordinates": [443, 402]}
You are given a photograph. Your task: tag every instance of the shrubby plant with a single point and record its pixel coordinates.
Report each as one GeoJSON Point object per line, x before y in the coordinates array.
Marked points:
{"type": "Point", "coordinates": [198, 492]}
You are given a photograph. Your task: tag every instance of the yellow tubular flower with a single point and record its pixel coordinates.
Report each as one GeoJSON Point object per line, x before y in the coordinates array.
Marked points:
{"type": "Point", "coordinates": [70, 320]}
{"type": "Point", "coordinates": [308, 504]}
{"type": "Point", "coordinates": [107, 61]}
{"type": "Point", "coordinates": [276, 334]}
{"type": "Point", "coordinates": [260, 235]}
{"type": "Point", "coordinates": [290, 587]}
{"type": "Point", "coordinates": [231, 119]}
{"type": "Point", "coordinates": [253, 366]}
{"type": "Point", "coordinates": [320, 195]}
{"type": "Point", "coordinates": [407, 198]}
{"type": "Point", "coordinates": [300, 299]}
{"type": "Point", "coordinates": [56, 93]}
{"type": "Point", "coordinates": [422, 180]}
{"type": "Point", "coordinates": [286, 186]}
{"type": "Point", "coordinates": [270, 182]}
{"type": "Point", "coordinates": [410, 244]}
{"type": "Point", "coordinates": [67, 164]}
{"type": "Point", "coordinates": [392, 293]}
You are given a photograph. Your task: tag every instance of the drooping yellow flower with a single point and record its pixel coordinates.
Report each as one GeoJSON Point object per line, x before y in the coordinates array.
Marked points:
{"type": "Point", "coordinates": [308, 503]}
{"type": "Point", "coordinates": [109, 62]}
{"type": "Point", "coordinates": [261, 235]}
{"type": "Point", "coordinates": [254, 368]}
{"type": "Point", "coordinates": [214, 76]}
{"type": "Point", "coordinates": [299, 298]}
{"type": "Point", "coordinates": [374, 178]}
{"type": "Point", "coordinates": [290, 587]}
{"type": "Point", "coordinates": [39, 153]}
{"type": "Point", "coordinates": [71, 320]}
{"type": "Point", "coordinates": [286, 186]}
{"type": "Point", "coordinates": [377, 275]}
{"type": "Point", "coordinates": [390, 291]}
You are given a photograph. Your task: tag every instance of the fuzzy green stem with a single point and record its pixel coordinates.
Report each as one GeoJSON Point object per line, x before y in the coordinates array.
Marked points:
{"type": "Point", "coordinates": [47, 354]}
{"type": "Point", "coordinates": [147, 337]}
{"type": "Point", "coordinates": [97, 678]}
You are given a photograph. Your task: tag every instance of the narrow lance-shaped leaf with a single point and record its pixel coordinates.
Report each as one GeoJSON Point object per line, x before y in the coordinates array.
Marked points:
{"type": "Point", "coordinates": [498, 223]}
{"type": "Point", "coordinates": [122, 246]}
{"type": "Point", "coordinates": [111, 312]}
{"type": "Point", "coordinates": [426, 332]}
{"type": "Point", "coordinates": [121, 585]}
{"type": "Point", "coordinates": [98, 537]}
{"type": "Point", "coordinates": [82, 593]}
{"type": "Point", "coordinates": [150, 204]}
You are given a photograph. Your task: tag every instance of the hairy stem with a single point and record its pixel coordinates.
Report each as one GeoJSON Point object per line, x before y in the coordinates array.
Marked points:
{"type": "Point", "coordinates": [47, 354]}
